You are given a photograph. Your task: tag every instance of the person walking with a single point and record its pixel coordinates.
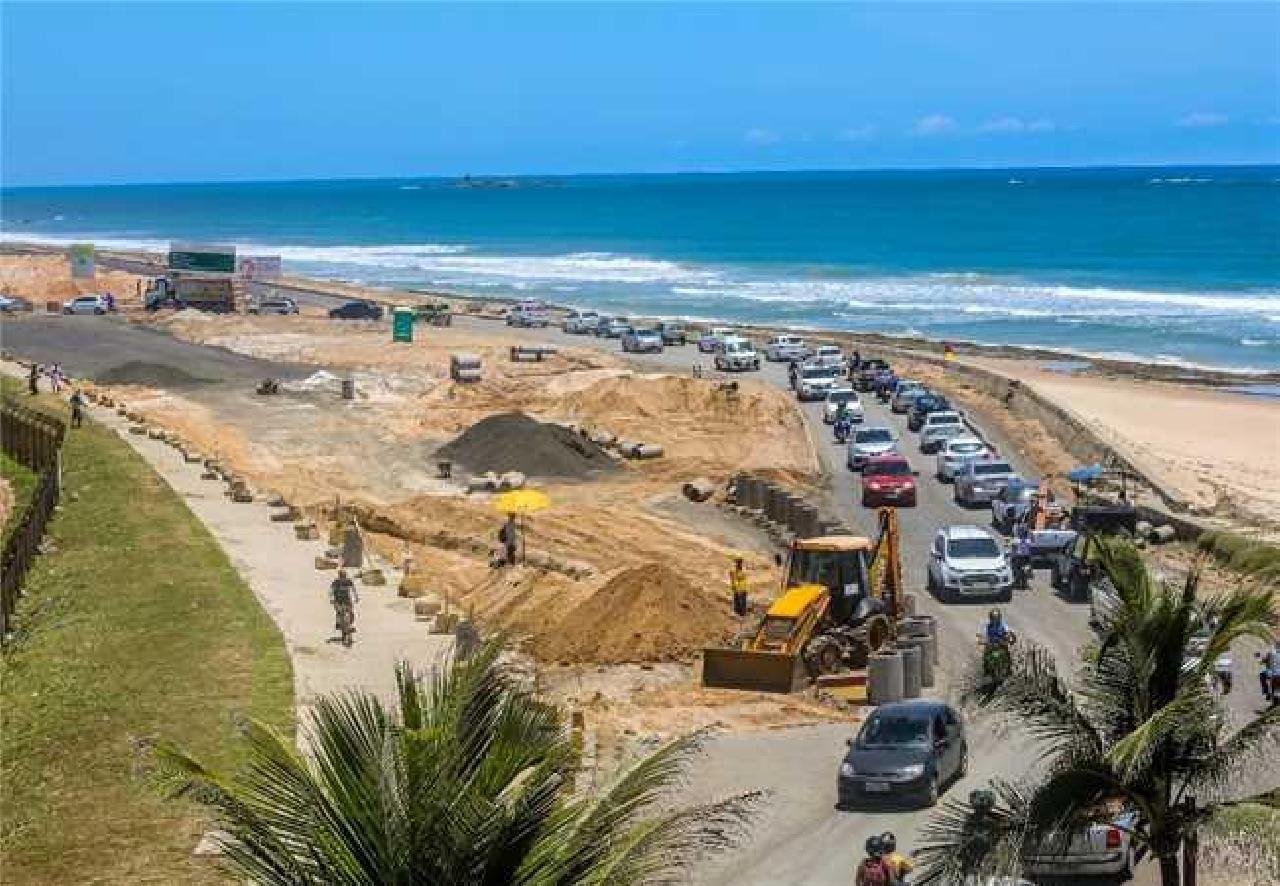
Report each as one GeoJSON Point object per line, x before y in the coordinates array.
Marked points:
{"type": "Point", "coordinates": [509, 536]}
{"type": "Point", "coordinates": [1021, 557]}
{"type": "Point", "coordinates": [33, 380]}
{"type": "Point", "coordinates": [56, 377]}
{"type": "Point", "coordinates": [738, 584]}
{"type": "Point", "coordinates": [77, 408]}
{"type": "Point", "coordinates": [343, 597]}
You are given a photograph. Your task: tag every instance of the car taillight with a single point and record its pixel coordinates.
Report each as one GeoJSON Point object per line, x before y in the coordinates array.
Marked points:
{"type": "Point", "coordinates": [1113, 838]}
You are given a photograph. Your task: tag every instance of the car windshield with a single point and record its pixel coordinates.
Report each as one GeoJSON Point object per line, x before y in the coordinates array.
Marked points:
{"type": "Point", "coordinates": [961, 548]}
{"type": "Point", "coordinates": [936, 419]}
{"type": "Point", "coordinates": [816, 372]}
{"type": "Point", "coordinates": [891, 469]}
{"type": "Point", "coordinates": [874, 435]}
{"type": "Point", "coordinates": [1021, 493]}
{"type": "Point", "coordinates": [737, 347]}
{"type": "Point", "coordinates": [966, 448]}
{"type": "Point", "coordinates": [841, 397]}
{"type": "Point", "coordinates": [890, 729]}
{"type": "Point", "coordinates": [992, 467]}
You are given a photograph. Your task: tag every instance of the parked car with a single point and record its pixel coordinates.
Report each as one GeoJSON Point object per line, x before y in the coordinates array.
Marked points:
{"type": "Point", "coordinates": [929, 401]}
{"type": "Point", "coordinates": [828, 355]}
{"type": "Point", "coordinates": [736, 355]}
{"type": "Point", "coordinates": [580, 322]}
{"type": "Point", "coordinates": [869, 443]}
{"type": "Point", "coordinates": [785, 348]}
{"type": "Point", "coordinates": [360, 309]}
{"type": "Point", "coordinates": [966, 562]}
{"type": "Point", "coordinates": [711, 339]}
{"type": "Point", "coordinates": [842, 396]}
{"type": "Point", "coordinates": [642, 341]}
{"type": "Point", "coordinates": [1098, 851]}
{"type": "Point", "coordinates": [888, 479]}
{"type": "Point", "coordinates": [13, 304]}
{"type": "Point", "coordinates": [527, 316]}
{"type": "Point", "coordinates": [85, 304]}
{"type": "Point", "coordinates": [612, 327]}
{"type": "Point", "coordinates": [864, 379]}
{"type": "Point", "coordinates": [1012, 503]}
{"type": "Point", "coordinates": [905, 750]}
{"type": "Point", "coordinates": [673, 332]}
{"type": "Point", "coordinates": [904, 395]}
{"type": "Point", "coordinates": [956, 453]}
{"type": "Point", "coordinates": [979, 481]}
{"type": "Point", "coordinates": [940, 427]}
{"type": "Point", "coordinates": [280, 306]}
{"type": "Point", "coordinates": [814, 382]}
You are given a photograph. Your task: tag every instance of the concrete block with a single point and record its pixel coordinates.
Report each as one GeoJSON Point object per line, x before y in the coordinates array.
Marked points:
{"type": "Point", "coordinates": [326, 563]}
{"type": "Point", "coordinates": [122, 412]}
{"type": "Point", "coordinates": [426, 608]}
{"type": "Point", "coordinates": [306, 531]}
{"type": "Point", "coordinates": [241, 495]}
{"type": "Point", "coordinates": [137, 429]}
{"type": "Point", "coordinates": [374, 578]}
{"type": "Point", "coordinates": [648, 450]}
{"type": "Point", "coordinates": [700, 489]}
{"type": "Point", "coordinates": [155, 434]}
{"type": "Point", "coordinates": [288, 515]}
{"type": "Point", "coordinates": [209, 475]}
{"type": "Point", "coordinates": [444, 624]}
{"type": "Point", "coordinates": [193, 457]}
{"type": "Point", "coordinates": [276, 500]}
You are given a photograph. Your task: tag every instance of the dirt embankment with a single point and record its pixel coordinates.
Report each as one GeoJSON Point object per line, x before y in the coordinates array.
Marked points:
{"type": "Point", "coordinates": [46, 278]}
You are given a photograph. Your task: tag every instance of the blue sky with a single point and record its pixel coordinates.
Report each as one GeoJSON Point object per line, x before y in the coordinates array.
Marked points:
{"type": "Point", "coordinates": [194, 92]}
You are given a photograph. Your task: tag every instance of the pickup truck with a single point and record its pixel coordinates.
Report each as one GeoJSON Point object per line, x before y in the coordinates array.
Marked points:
{"type": "Point", "coordinates": [785, 348]}
{"type": "Point", "coordinates": [814, 382]}
{"type": "Point", "coordinates": [737, 355]}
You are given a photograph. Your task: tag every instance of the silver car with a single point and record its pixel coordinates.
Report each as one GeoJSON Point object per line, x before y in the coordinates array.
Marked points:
{"type": "Point", "coordinates": [86, 304]}
{"type": "Point", "coordinates": [956, 453]}
{"type": "Point", "coordinates": [867, 443]}
{"type": "Point", "coordinates": [978, 482]}
{"type": "Point", "coordinates": [938, 428]}
{"type": "Point", "coordinates": [905, 395]}
{"type": "Point", "coordinates": [642, 341]}
{"type": "Point", "coordinates": [1101, 850]}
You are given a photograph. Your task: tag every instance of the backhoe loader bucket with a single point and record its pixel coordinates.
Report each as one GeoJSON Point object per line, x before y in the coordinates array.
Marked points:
{"type": "Point", "coordinates": [753, 671]}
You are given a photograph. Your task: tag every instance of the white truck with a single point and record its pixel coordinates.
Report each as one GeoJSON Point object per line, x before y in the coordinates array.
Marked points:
{"type": "Point", "coordinates": [785, 348]}
{"type": "Point", "coordinates": [814, 381]}
{"type": "Point", "coordinates": [736, 355]}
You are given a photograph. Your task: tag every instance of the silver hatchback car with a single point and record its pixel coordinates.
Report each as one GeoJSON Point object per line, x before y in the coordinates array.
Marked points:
{"type": "Point", "coordinates": [978, 482]}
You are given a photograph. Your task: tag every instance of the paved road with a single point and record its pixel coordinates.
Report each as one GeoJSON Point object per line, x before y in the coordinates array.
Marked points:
{"type": "Point", "coordinates": [91, 346]}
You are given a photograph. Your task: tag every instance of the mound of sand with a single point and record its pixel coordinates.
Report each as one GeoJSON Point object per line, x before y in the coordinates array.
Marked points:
{"type": "Point", "coordinates": [152, 375]}
{"type": "Point", "coordinates": [512, 441]}
{"type": "Point", "coordinates": [645, 613]}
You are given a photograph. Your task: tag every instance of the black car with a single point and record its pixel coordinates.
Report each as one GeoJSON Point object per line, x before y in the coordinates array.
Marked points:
{"type": "Point", "coordinates": [905, 750]}
{"type": "Point", "coordinates": [357, 310]}
{"type": "Point", "coordinates": [923, 405]}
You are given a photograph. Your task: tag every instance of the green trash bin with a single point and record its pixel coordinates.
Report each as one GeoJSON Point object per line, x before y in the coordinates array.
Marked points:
{"type": "Point", "coordinates": [402, 324]}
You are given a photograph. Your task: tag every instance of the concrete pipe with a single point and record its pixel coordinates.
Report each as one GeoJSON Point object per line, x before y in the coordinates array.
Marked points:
{"type": "Point", "coordinates": [925, 647]}
{"type": "Point", "coordinates": [751, 492]}
{"type": "Point", "coordinates": [776, 504]}
{"type": "Point", "coordinates": [884, 677]}
{"type": "Point", "coordinates": [910, 670]}
{"type": "Point", "coordinates": [921, 626]}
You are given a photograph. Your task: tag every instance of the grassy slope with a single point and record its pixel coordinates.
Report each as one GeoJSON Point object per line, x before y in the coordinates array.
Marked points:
{"type": "Point", "coordinates": [22, 482]}
{"type": "Point", "coordinates": [136, 628]}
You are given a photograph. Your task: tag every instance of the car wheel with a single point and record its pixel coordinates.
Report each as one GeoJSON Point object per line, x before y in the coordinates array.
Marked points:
{"type": "Point", "coordinates": [931, 793]}
{"type": "Point", "coordinates": [1006, 596]}
{"type": "Point", "coordinates": [866, 501]}
{"type": "Point", "coordinates": [1055, 577]}
{"type": "Point", "coordinates": [930, 584]}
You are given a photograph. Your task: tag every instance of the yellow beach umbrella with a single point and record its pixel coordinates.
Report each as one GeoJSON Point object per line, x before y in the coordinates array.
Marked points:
{"type": "Point", "coordinates": [520, 503]}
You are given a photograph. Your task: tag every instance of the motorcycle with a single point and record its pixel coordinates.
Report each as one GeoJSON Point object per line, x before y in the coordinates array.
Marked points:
{"type": "Point", "coordinates": [997, 658]}
{"type": "Point", "coordinates": [843, 427]}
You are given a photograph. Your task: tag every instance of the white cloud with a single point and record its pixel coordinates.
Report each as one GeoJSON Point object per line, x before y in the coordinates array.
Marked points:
{"type": "Point", "coordinates": [859, 133]}
{"type": "Point", "coordinates": [1203, 120]}
{"type": "Point", "coordinates": [1017, 125]}
{"type": "Point", "coordinates": [934, 124]}
{"type": "Point", "coordinates": [759, 136]}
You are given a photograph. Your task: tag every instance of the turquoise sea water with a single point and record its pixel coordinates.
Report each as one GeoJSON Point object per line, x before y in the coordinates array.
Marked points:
{"type": "Point", "coordinates": [1175, 264]}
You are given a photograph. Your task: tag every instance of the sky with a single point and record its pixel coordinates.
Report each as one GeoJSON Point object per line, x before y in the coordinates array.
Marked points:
{"type": "Point", "coordinates": [214, 92]}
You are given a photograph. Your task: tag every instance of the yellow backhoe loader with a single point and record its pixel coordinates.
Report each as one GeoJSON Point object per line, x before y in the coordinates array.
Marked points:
{"type": "Point", "coordinates": [839, 603]}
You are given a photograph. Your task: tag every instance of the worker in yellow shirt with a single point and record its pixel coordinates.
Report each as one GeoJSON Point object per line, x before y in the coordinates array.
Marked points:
{"type": "Point", "coordinates": [899, 864]}
{"type": "Point", "coordinates": [738, 584]}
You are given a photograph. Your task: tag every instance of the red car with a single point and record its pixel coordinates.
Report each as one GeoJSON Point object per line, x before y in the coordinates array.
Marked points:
{"type": "Point", "coordinates": [888, 479]}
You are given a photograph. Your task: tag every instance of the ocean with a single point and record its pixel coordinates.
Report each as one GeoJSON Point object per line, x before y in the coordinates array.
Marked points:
{"type": "Point", "coordinates": [1178, 265]}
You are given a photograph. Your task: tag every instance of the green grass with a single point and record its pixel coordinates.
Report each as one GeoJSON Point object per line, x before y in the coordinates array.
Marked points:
{"type": "Point", "coordinates": [1247, 555]}
{"type": "Point", "coordinates": [23, 482]}
{"type": "Point", "coordinates": [135, 629]}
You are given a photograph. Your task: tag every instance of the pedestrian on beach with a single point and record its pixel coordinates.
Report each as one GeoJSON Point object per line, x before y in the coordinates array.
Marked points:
{"type": "Point", "coordinates": [56, 378]}
{"type": "Point", "coordinates": [509, 536]}
{"type": "Point", "coordinates": [33, 380]}
{"type": "Point", "coordinates": [738, 584]}
{"type": "Point", "coordinates": [78, 404]}
{"type": "Point", "coordinates": [1021, 557]}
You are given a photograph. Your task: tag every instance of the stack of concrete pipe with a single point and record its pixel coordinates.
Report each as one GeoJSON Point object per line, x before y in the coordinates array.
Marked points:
{"type": "Point", "coordinates": [926, 649]}
{"type": "Point", "coordinates": [884, 677]}
{"type": "Point", "coordinates": [921, 626]}
{"type": "Point", "coordinates": [911, 670]}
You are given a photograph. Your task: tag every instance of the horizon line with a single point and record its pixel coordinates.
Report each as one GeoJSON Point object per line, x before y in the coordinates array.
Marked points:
{"type": "Point", "coordinates": [1042, 167]}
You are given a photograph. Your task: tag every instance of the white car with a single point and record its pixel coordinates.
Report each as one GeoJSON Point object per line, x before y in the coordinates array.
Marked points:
{"type": "Point", "coordinates": [737, 355]}
{"type": "Point", "coordinates": [966, 562]}
{"type": "Point", "coordinates": [842, 396]}
{"type": "Point", "coordinates": [785, 348]}
{"type": "Point", "coordinates": [828, 355]}
{"type": "Point", "coordinates": [814, 382]}
{"type": "Point", "coordinates": [956, 453]}
{"type": "Point", "coordinates": [938, 428]}
{"type": "Point", "coordinates": [580, 322]}
{"type": "Point", "coordinates": [283, 306]}
{"type": "Point", "coordinates": [85, 304]}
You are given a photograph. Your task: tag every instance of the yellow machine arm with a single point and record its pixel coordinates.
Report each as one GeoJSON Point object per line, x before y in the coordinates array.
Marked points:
{"type": "Point", "coordinates": [885, 568]}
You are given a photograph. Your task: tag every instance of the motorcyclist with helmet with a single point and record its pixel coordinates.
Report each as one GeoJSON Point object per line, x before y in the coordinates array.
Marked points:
{"type": "Point", "coordinates": [843, 423]}
{"type": "Point", "coordinates": [875, 870]}
{"type": "Point", "coordinates": [899, 864]}
{"type": "Point", "coordinates": [997, 638]}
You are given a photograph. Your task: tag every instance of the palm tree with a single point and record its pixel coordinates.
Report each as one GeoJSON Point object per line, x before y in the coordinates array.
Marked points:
{"type": "Point", "coordinates": [469, 781]}
{"type": "Point", "coordinates": [1138, 732]}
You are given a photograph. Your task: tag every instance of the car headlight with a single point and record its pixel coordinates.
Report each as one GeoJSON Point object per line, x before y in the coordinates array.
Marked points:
{"type": "Point", "coordinates": [847, 770]}
{"type": "Point", "coordinates": [914, 771]}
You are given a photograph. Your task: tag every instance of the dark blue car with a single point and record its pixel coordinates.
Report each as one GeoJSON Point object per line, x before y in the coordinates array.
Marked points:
{"type": "Point", "coordinates": [907, 750]}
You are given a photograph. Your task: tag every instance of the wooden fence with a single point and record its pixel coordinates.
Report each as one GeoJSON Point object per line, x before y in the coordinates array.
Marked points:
{"type": "Point", "coordinates": [34, 440]}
